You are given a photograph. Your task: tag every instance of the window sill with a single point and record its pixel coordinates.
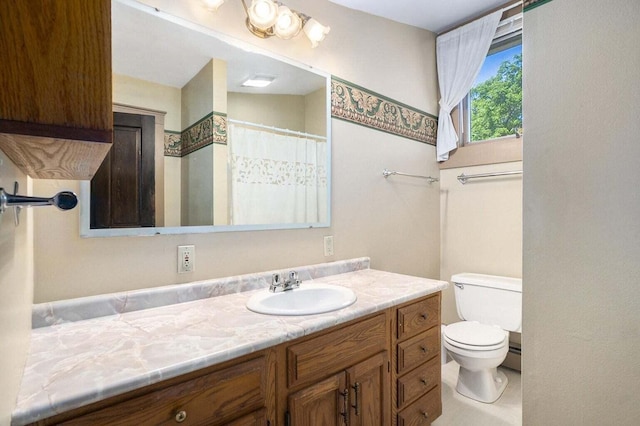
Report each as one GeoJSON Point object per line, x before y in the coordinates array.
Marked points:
{"type": "Point", "coordinates": [489, 152]}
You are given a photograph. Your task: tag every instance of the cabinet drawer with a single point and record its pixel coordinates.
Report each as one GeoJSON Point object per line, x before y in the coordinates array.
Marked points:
{"type": "Point", "coordinates": [207, 400]}
{"type": "Point", "coordinates": [423, 411]}
{"type": "Point", "coordinates": [418, 349]}
{"type": "Point", "coordinates": [418, 317]}
{"type": "Point", "coordinates": [336, 350]}
{"type": "Point", "coordinates": [418, 381]}
{"type": "Point", "coordinates": [257, 418]}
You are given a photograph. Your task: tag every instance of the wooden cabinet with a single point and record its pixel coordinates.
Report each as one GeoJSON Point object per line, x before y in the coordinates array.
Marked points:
{"type": "Point", "coordinates": [324, 403]}
{"type": "Point", "coordinates": [358, 396]}
{"type": "Point", "coordinates": [416, 375]}
{"type": "Point", "coordinates": [238, 393]}
{"type": "Point", "coordinates": [55, 74]}
{"type": "Point", "coordinates": [340, 377]}
{"type": "Point", "coordinates": [369, 391]}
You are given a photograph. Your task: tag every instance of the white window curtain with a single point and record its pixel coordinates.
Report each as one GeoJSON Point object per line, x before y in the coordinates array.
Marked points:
{"type": "Point", "coordinates": [460, 54]}
{"type": "Point", "coordinates": [276, 178]}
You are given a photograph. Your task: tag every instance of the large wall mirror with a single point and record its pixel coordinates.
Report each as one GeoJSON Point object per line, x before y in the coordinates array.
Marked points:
{"type": "Point", "coordinates": [197, 148]}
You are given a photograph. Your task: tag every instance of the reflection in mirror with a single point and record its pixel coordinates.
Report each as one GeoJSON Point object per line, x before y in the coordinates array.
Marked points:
{"type": "Point", "coordinates": [196, 148]}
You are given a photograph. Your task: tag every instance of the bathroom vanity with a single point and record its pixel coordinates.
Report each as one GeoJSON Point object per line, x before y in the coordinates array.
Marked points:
{"type": "Point", "coordinates": [212, 361]}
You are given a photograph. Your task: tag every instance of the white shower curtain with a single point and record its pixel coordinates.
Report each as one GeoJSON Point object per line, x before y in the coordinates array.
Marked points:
{"type": "Point", "coordinates": [460, 54]}
{"type": "Point", "coordinates": [276, 179]}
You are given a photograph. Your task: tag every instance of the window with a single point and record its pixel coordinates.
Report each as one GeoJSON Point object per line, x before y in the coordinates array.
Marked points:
{"type": "Point", "coordinates": [493, 107]}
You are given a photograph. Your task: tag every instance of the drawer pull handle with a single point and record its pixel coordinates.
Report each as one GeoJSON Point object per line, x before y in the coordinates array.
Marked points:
{"type": "Point", "coordinates": [181, 416]}
{"type": "Point", "coordinates": [424, 349]}
{"type": "Point", "coordinates": [425, 414]}
{"type": "Point", "coordinates": [424, 316]}
{"type": "Point", "coordinates": [424, 381]}
{"type": "Point", "coordinates": [345, 404]}
{"type": "Point", "coordinates": [356, 389]}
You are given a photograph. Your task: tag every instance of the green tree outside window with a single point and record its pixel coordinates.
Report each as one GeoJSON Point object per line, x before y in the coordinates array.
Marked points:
{"type": "Point", "coordinates": [496, 103]}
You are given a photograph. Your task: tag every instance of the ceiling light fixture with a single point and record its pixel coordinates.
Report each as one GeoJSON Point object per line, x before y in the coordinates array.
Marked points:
{"type": "Point", "coordinates": [258, 81]}
{"type": "Point", "coordinates": [212, 5]}
{"type": "Point", "coordinates": [266, 18]}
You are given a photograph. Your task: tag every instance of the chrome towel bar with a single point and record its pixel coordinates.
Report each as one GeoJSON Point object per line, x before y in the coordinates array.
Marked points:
{"type": "Point", "coordinates": [464, 178]}
{"type": "Point", "coordinates": [386, 173]}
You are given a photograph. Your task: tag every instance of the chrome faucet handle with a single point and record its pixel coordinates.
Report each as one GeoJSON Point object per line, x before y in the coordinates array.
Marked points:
{"type": "Point", "coordinates": [293, 282]}
{"type": "Point", "coordinates": [275, 283]}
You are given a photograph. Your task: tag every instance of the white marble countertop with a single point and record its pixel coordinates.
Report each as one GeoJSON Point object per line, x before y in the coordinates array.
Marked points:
{"type": "Point", "coordinates": [77, 363]}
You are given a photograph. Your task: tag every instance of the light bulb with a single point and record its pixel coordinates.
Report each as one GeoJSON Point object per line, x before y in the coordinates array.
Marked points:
{"type": "Point", "coordinates": [212, 5]}
{"type": "Point", "coordinates": [315, 31]}
{"type": "Point", "coordinates": [288, 24]}
{"type": "Point", "coordinates": [263, 13]}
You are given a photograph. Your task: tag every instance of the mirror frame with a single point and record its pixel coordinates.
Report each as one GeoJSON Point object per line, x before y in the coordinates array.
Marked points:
{"type": "Point", "coordinates": [85, 186]}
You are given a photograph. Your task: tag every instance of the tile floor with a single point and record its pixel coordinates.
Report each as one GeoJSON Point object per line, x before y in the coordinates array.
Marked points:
{"type": "Point", "coordinates": [460, 411]}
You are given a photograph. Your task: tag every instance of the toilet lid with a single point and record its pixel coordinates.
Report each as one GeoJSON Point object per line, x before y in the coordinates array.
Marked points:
{"type": "Point", "coordinates": [475, 334]}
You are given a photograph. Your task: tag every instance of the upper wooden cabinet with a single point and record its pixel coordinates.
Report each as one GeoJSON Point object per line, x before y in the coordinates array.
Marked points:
{"type": "Point", "coordinates": [55, 73]}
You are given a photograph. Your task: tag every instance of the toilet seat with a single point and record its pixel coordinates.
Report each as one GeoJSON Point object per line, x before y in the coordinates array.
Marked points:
{"type": "Point", "coordinates": [474, 336]}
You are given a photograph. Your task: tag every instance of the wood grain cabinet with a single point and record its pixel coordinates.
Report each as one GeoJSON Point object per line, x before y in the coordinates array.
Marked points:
{"type": "Point", "coordinates": [239, 393]}
{"type": "Point", "coordinates": [343, 376]}
{"type": "Point", "coordinates": [417, 371]}
{"type": "Point", "coordinates": [357, 391]}
{"type": "Point", "coordinates": [55, 73]}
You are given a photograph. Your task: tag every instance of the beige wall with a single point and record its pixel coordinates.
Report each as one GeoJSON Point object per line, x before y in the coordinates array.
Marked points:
{"type": "Point", "coordinates": [144, 94]}
{"type": "Point", "coordinates": [581, 267]}
{"type": "Point", "coordinates": [315, 113]}
{"type": "Point", "coordinates": [172, 189]}
{"type": "Point", "coordinates": [481, 226]}
{"type": "Point", "coordinates": [394, 221]}
{"type": "Point", "coordinates": [16, 290]}
{"type": "Point", "coordinates": [283, 111]}
{"type": "Point", "coordinates": [204, 93]}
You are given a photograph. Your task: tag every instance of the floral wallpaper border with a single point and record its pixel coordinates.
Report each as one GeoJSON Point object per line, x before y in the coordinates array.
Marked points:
{"type": "Point", "coordinates": [172, 144]}
{"type": "Point", "coordinates": [530, 4]}
{"type": "Point", "coordinates": [349, 102]}
{"type": "Point", "coordinates": [358, 105]}
{"type": "Point", "coordinates": [210, 129]}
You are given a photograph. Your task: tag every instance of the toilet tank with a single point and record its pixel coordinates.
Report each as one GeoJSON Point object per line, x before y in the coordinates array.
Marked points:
{"type": "Point", "coordinates": [489, 299]}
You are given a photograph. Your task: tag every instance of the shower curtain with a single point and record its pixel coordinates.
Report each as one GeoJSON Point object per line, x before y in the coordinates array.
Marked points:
{"type": "Point", "coordinates": [276, 178]}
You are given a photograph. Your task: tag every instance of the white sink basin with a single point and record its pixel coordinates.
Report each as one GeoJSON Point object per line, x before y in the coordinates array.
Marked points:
{"type": "Point", "coordinates": [308, 299]}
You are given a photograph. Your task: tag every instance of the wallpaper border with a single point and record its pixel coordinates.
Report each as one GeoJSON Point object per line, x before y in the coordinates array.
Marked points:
{"type": "Point", "coordinates": [532, 4]}
{"type": "Point", "coordinates": [358, 105]}
{"type": "Point", "coordinates": [210, 129]}
{"type": "Point", "coordinates": [349, 102]}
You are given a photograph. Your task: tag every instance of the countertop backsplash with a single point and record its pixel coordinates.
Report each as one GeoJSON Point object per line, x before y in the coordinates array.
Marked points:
{"type": "Point", "coordinates": [51, 313]}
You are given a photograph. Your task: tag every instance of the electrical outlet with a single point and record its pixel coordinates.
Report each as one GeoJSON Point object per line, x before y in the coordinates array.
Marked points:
{"type": "Point", "coordinates": [186, 259]}
{"type": "Point", "coordinates": [328, 245]}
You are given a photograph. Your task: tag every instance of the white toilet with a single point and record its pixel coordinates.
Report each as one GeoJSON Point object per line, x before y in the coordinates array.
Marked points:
{"type": "Point", "coordinates": [490, 306]}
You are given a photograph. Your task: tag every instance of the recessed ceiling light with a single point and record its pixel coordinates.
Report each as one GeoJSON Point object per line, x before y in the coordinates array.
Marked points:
{"type": "Point", "coordinates": [258, 81]}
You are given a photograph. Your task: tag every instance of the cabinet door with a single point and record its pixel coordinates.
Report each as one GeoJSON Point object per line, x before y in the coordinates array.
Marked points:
{"type": "Point", "coordinates": [55, 74]}
{"type": "Point", "coordinates": [325, 403]}
{"type": "Point", "coordinates": [369, 392]}
{"type": "Point", "coordinates": [257, 418]}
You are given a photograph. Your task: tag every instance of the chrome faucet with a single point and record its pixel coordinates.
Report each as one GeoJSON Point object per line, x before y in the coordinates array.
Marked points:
{"type": "Point", "coordinates": [289, 284]}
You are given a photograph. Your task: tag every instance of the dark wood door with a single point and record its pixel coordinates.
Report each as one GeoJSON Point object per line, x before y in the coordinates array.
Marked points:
{"type": "Point", "coordinates": [123, 189]}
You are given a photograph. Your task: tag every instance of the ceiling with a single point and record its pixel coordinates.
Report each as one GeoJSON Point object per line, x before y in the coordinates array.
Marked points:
{"type": "Point", "coordinates": [152, 46]}
{"type": "Point", "coordinates": [433, 15]}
